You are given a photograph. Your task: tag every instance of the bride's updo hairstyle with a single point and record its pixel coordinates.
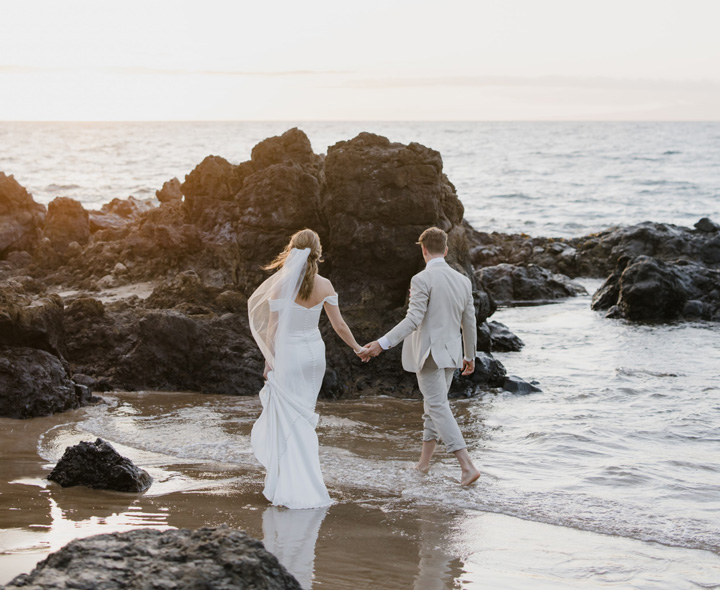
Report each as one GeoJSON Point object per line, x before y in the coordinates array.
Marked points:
{"type": "Point", "coordinates": [305, 238]}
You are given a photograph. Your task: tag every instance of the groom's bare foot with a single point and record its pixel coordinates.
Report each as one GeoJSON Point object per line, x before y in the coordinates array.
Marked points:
{"type": "Point", "coordinates": [469, 477]}
{"type": "Point", "coordinates": [422, 468]}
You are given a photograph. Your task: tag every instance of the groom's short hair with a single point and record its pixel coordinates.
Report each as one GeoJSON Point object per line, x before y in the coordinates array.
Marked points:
{"type": "Point", "coordinates": [434, 239]}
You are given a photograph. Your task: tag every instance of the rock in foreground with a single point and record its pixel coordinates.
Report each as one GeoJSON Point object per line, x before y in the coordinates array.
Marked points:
{"type": "Point", "coordinates": [98, 465]}
{"type": "Point", "coordinates": [172, 560]}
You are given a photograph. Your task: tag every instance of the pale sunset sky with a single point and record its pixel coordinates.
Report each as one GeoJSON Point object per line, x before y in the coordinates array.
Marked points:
{"type": "Point", "coordinates": [84, 60]}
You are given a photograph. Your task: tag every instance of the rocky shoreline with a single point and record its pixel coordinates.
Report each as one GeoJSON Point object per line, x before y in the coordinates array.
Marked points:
{"type": "Point", "coordinates": [152, 294]}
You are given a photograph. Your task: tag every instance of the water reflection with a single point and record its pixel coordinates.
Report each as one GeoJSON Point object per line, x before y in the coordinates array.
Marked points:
{"type": "Point", "coordinates": [438, 569]}
{"type": "Point", "coordinates": [291, 536]}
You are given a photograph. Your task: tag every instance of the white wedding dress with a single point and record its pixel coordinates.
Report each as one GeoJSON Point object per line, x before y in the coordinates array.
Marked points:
{"type": "Point", "coordinates": [283, 438]}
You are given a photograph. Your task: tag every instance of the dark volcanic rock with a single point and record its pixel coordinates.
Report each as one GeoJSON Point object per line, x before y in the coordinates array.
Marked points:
{"type": "Point", "coordinates": [489, 372]}
{"type": "Point", "coordinates": [206, 558]}
{"type": "Point", "coordinates": [595, 255]}
{"type": "Point", "coordinates": [170, 191]}
{"type": "Point", "coordinates": [502, 339]}
{"type": "Point", "coordinates": [507, 284]}
{"type": "Point", "coordinates": [34, 324]}
{"type": "Point", "coordinates": [707, 225]}
{"type": "Point", "coordinates": [98, 465]}
{"type": "Point", "coordinates": [378, 198]}
{"type": "Point", "coordinates": [34, 383]}
{"type": "Point", "coordinates": [21, 218]}
{"type": "Point", "coordinates": [647, 289]}
{"type": "Point", "coordinates": [515, 384]}
{"type": "Point", "coordinates": [66, 222]}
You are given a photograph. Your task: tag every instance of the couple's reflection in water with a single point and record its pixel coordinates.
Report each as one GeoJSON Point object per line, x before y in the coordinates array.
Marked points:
{"type": "Point", "coordinates": [291, 535]}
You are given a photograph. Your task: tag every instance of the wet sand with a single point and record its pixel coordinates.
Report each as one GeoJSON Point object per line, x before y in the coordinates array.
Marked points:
{"type": "Point", "coordinates": [370, 538]}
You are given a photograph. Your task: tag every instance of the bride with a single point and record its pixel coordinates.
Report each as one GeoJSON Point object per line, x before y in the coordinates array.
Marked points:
{"type": "Point", "coordinates": [284, 313]}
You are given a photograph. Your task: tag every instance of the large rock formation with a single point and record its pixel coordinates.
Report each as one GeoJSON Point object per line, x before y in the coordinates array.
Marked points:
{"type": "Point", "coordinates": [172, 560]}
{"type": "Point", "coordinates": [369, 200]}
{"type": "Point", "coordinates": [98, 465]}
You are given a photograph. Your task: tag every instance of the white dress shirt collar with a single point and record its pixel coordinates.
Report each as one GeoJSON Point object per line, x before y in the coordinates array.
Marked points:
{"type": "Point", "coordinates": [433, 261]}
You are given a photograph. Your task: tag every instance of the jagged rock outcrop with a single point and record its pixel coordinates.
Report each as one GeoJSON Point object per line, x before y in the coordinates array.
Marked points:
{"type": "Point", "coordinates": [170, 191]}
{"type": "Point", "coordinates": [172, 559]}
{"type": "Point", "coordinates": [98, 465]}
{"type": "Point", "coordinates": [21, 218]}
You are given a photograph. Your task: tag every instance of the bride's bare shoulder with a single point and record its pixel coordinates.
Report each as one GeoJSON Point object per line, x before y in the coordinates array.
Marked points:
{"type": "Point", "coordinates": [325, 286]}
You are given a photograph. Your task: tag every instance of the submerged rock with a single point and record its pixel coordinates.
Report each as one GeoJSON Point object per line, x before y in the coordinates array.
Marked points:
{"type": "Point", "coordinates": [172, 559]}
{"type": "Point", "coordinates": [98, 465]}
{"type": "Point", "coordinates": [515, 384]}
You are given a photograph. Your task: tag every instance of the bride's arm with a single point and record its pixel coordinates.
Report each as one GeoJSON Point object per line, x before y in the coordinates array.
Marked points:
{"type": "Point", "coordinates": [340, 327]}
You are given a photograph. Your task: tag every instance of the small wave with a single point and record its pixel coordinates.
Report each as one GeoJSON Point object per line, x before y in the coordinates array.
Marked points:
{"type": "Point", "coordinates": [61, 187]}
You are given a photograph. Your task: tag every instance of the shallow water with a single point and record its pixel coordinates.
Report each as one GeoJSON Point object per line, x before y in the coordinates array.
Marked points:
{"type": "Point", "coordinates": [609, 478]}
{"type": "Point", "coordinates": [550, 179]}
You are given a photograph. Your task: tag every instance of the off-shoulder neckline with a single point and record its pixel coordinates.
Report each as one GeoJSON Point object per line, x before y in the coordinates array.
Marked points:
{"type": "Point", "coordinates": [316, 305]}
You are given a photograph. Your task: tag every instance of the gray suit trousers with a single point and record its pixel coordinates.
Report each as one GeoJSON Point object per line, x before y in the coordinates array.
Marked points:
{"type": "Point", "coordinates": [440, 424]}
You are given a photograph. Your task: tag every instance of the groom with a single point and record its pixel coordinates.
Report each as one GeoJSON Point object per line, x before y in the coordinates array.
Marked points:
{"type": "Point", "coordinates": [441, 305]}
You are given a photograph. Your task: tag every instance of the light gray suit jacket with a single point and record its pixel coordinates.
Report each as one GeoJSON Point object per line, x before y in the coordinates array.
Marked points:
{"type": "Point", "coordinates": [441, 305]}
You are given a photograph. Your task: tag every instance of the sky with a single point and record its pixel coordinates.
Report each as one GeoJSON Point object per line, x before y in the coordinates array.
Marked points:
{"type": "Point", "coordinates": [367, 60]}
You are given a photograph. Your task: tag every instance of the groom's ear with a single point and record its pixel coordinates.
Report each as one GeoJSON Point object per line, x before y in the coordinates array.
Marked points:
{"type": "Point", "coordinates": [446, 251]}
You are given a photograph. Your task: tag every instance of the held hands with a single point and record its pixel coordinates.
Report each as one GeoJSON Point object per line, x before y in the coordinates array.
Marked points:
{"type": "Point", "coordinates": [369, 351]}
{"type": "Point", "coordinates": [468, 367]}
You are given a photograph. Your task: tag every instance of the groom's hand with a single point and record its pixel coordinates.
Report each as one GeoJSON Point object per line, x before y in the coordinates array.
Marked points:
{"type": "Point", "coordinates": [372, 349]}
{"type": "Point", "coordinates": [468, 367]}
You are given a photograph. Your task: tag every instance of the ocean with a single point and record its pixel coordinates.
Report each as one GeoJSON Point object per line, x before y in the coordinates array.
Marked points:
{"type": "Point", "coordinates": [609, 478]}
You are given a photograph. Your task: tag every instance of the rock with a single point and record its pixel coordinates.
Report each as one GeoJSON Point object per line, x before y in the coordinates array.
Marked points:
{"type": "Point", "coordinates": [129, 208]}
{"type": "Point", "coordinates": [378, 198]}
{"type": "Point", "coordinates": [66, 222]}
{"type": "Point", "coordinates": [489, 372]}
{"type": "Point", "coordinates": [98, 465]}
{"type": "Point", "coordinates": [140, 559]}
{"type": "Point", "coordinates": [594, 255]}
{"type": "Point", "coordinates": [707, 225]}
{"type": "Point", "coordinates": [170, 191]}
{"type": "Point", "coordinates": [515, 384]}
{"type": "Point", "coordinates": [34, 383]}
{"type": "Point", "coordinates": [647, 289]}
{"type": "Point", "coordinates": [20, 258]}
{"type": "Point", "coordinates": [34, 324]}
{"type": "Point", "coordinates": [502, 339]}
{"type": "Point", "coordinates": [21, 218]}
{"type": "Point", "coordinates": [508, 284]}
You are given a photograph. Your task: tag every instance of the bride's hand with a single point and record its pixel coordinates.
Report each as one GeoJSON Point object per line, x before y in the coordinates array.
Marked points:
{"type": "Point", "coordinates": [266, 371]}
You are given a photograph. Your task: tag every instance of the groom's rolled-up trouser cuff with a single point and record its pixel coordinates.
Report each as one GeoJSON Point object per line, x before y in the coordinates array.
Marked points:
{"type": "Point", "coordinates": [440, 423]}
